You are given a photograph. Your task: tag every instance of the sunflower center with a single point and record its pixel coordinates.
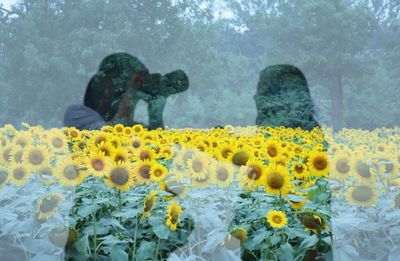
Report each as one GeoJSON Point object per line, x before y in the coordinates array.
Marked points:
{"type": "Point", "coordinates": [158, 173]}
{"type": "Point", "coordinates": [7, 155]}
{"type": "Point", "coordinates": [272, 151]}
{"type": "Point", "coordinates": [144, 172]}
{"type": "Point", "coordinates": [36, 157]}
{"type": "Point", "coordinates": [22, 143]}
{"type": "Point", "coordinates": [298, 169]}
{"type": "Point", "coordinates": [275, 181]}
{"type": "Point", "coordinates": [363, 169]}
{"type": "Point", "coordinates": [342, 166]}
{"type": "Point", "coordinates": [144, 155]}
{"type": "Point", "coordinates": [362, 193]}
{"type": "Point", "coordinates": [120, 158]}
{"type": "Point", "coordinates": [48, 204]}
{"type": "Point", "coordinates": [99, 140]}
{"type": "Point", "coordinates": [222, 174]}
{"type": "Point", "coordinates": [320, 163]}
{"type": "Point", "coordinates": [57, 142]}
{"type": "Point", "coordinates": [71, 172]}
{"type": "Point", "coordinates": [225, 153]}
{"type": "Point", "coordinates": [98, 164]}
{"type": "Point", "coordinates": [19, 173]}
{"type": "Point", "coordinates": [119, 176]}
{"type": "Point", "coordinates": [240, 158]}
{"type": "Point", "coordinates": [277, 219]}
{"type": "Point", "coordinates": [149, 204]}
{"type": "Point", "coordinates": [254, 173]}
{"type": "Point", "coordinates": [197, 165]}
{"type": "Point", "coordinates": [136, 144]}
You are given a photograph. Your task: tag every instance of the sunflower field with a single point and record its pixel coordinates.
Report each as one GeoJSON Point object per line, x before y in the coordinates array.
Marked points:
{"type": "Point", "coordinates": [232, 193]}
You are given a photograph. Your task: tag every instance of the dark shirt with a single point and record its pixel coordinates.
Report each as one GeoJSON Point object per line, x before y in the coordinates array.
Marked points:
{"type": "Point", "coordinates": [83, 118]}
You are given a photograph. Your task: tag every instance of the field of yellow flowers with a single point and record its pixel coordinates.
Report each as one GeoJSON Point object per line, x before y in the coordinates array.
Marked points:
{"type": "Point", "coordinates": [232, 193]}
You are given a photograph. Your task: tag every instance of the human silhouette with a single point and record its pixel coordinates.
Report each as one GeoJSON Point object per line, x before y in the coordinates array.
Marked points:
{"type": "Point", "coordinates": [283, 98]}
{"type": "Point", "coordinates": [113, 92]}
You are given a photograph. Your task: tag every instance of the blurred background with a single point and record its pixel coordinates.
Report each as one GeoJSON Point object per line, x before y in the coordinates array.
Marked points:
{"type": "Point", "coordinates": [348, 50]}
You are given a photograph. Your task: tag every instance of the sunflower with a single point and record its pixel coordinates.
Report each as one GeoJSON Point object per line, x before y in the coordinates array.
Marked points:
{"type": "Point", "coordinates": [119, 176]}
{"type": "Point", "coordinates": [277, 180]}
{"type": "Point", "coordinates": [57, 141]}
{"type": "Point", "coordinates": [272, 148]}
{"type": "Point", "coordinates": [236, 237]}
{"type": "Point", "coordinates": [149, 203]}
{"type": "Point", "coordinates": [240, 157]}
{"type": "Point", "coordinates": [4, 176]}
{"type": "Point", "coordinates": [276, 219]}
{"type": "Point", "coordinates": [203, 181]}
{"type": "Point", "coordinates": [299, 170]}
{"type": "Point", "coordinates": [19, 174]}
{"type": "Point", "coordinates": [224, 151]}
{"type": "Point", "coordinates": [253, 174]}
{"type": "Point", "coordinates": [198, 165]}
{"type": "Point", "coordinates": [118, 129]}
{"type": "Point", "coordinates": [223, 173]}
{"type": "Point", "coordinates": [105, 147]}
{"type": "Point", "coordinates": [16, 154]}
{"type": "Point", "coordinates": [98, 138]}
{"type": "Point", "coordinates": [362, 169]}
{"type": "Point", "coordinates": [158, 172]}
{"type": "Point", "coordinates": [98, 164]}
{"type": "Point", "coordinates": [142, 171]}
{"type": "Point", "coordinates": [120, 154]}
{"type": "Point", "coordinates": [341, 167]}
{"type": "Point", "coordinates": [362, 195]}
{"type": "Point", "coordinates": [175, 188]}
{"type": "Point", "coordinates": [166, 152]}
{"type": "Point", "coordinates": [5, 154]}
{"type": "Point", "coordinates": [47, 206]}
{"type": "Point", "coordinates": [318, 163]}
{"type": "Point", "coordinates": [46, 175]}
{"type": "Point", "coordinates": [136, 142]}
{"type": "Point", "coordinates": [296, 200]}
{"type": "Point", "coordinates": [36, 157]}
{"type": "Point", "coordinates": [69, 173]}
{"type": "Point", "coordinates": [173, 215]}
{"type": "Point", "coordinates": [62, 236]}
{"type": "Point", "coordinates": [23, 139]}
{"type": "Point", "coordinates": [312, 222]}
{"type": "Point", "coordinates": [145, 153]}
{"type": "Point", "coordinates": [137, 128]}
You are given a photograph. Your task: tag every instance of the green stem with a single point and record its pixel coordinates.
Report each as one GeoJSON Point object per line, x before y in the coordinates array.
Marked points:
{"type": "Point", "coordinates": [94, 232]}
{"type": "Point", "coordinates": [134, 239]}
{"type": "Point", "coordinates": [158, 249]}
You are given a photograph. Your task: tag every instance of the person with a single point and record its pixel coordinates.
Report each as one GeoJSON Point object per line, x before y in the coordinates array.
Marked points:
{"type": "Point", "coordinates": [108, 98]}
{"type": "Point", "coordinates": [113, 92]}
{"type": "Point", "coordinates": [283, 98]}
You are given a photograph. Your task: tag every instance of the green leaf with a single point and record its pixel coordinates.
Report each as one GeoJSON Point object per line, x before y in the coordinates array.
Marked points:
{"type": "Point", "coordinates": [309, 242]}
{"type": "Point", "coordinates": [86, 210]}
{"type": "Point", "coordinates": [161, 231]}
{"type": "Point", "coordinates": [285, 252]}
{"type": "Point", "coordinates": [145, 251]}
{"type": "Point", "coordinates": [82, 245]}
{"type": "Point", "coordinates": [118, 254]}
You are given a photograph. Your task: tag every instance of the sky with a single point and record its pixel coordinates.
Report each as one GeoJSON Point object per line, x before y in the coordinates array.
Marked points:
{"type": "Point", "coordinates": [220, 12]}
{"type": "Point", "coordinates": [7, 3]}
